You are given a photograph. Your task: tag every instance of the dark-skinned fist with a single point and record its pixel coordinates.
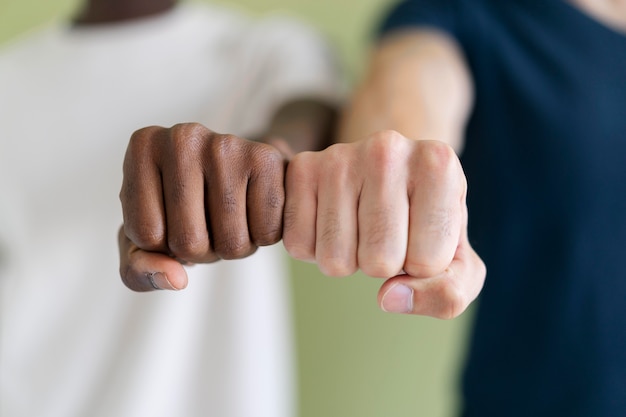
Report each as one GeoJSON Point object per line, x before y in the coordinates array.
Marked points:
{"type": "Point", "coordinates": [191, 195]}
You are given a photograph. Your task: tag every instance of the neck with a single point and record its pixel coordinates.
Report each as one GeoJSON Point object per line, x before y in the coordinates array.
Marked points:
{"type": "Point", "coordinates": [111, 11]}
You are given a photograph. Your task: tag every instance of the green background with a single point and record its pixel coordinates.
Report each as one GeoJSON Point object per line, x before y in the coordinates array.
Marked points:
{"type": "Point", "coordinates": [354, 360]}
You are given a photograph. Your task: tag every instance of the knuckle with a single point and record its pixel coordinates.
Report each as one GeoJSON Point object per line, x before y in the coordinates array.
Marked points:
{"type": "Point", "coordinates": [225, 145]}
{"type": "Point", "coordinates": [234, 247]}
{"type": "Point", "coordinates": [379, 267]}
{"type": "Point", "coordinates": [301, 168]}
{"type": "Point", "coordinates": [266, 158]}
{"type": "Point", "coordinates": [189, 130]}
{"type": "Point", "coordinates": [421, 268]}
{"type": "Point", "coordinates": [187, 139]}
{"type": "Point", "coordinates": [188, 246]}
{"type": "Point", "coordinates": [335, 157]}
{"type": "Point", "coordinates": [141, 147]}
{"type": "Point", "coordinates": [338, 168]}
{"type": "Point", "coordinates": [428, 264]}
{"type": "Point", "coordinates": [388, 136]}
{"type": "Point", "coordinates": [224, 153]}
{"type": "Point", "coordinates": [298, 250]}
{"type": "Point", "coordinates": [438, 158]}
{"type": "Point", "coordinates": [267, 236]}
{"type": "Point", "coordinates": [336, 267]}
{"type": "Point", "coordinates": [146, 238]}
{"type": "Point", "coordinates": [384, 149]}
{"type": "Point", "coordinates": [144, 137]}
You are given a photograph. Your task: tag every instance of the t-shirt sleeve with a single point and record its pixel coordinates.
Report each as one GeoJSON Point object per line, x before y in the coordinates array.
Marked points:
{"type": "Point", "coordinates": [304, 64]}
{"type": "Point", "coordinates": [438, 14]}
{"type": "Point", "coordinates": [293, 62]}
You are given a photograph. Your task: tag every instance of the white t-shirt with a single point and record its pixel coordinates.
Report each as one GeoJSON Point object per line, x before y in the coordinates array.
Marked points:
{"type": "Point", "coordinates": [74, 342]}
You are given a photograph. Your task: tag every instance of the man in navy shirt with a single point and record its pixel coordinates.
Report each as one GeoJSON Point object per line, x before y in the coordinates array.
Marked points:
{"type": "Point", "coordinates": [532, 94]}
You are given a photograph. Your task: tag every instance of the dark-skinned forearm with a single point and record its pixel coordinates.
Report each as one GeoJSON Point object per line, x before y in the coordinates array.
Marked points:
{"type": "Point", "coordinates": [303, 125]}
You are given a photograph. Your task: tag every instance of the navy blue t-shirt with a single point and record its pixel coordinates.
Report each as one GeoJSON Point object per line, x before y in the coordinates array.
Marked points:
{"type": "Point", "coordinates": [545, 159]}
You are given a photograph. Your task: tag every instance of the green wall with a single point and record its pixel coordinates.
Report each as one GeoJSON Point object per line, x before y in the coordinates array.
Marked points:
{"type": "Point", "coordinates": [354, 361]}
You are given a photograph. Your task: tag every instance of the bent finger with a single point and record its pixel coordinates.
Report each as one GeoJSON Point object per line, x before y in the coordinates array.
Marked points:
{"type": "Point", "coordinates": [227, 179]}
{"type": "Point", "coordinates": [184, 194]}
{"type": "Point", "coordinates": [141, 194]}
{"type": "Point", "coordinates": [336, 224]}
{"type": "Point", "coordinates": [266, 195]}
{"type": "Point", "coordinates": [300, 213]}
{"type": "Point", "coordinates": [437, 198]}
{"type": "Point", "coordinates": [383, 211]}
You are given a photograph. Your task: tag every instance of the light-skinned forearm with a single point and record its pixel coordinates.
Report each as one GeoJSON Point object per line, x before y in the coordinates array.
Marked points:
{"type": "Point", "coordinates": [418, 84]}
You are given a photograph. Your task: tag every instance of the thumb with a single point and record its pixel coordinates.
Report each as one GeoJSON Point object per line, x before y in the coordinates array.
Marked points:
{"type": "Point", "coordinates": [443, 296]}
{"type": "Point", "coordinates": [142, 270]}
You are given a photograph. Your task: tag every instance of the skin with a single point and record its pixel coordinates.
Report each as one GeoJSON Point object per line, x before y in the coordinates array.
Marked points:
{"type": "Point", "coordinates": [391, 207]}
{"type": "Point", "coordinates": [168, 170]}
{"type": "Point", "coordinates": [393, 204]}
{"type": "Point", "coordinates": [109, 11]}
{"type": "Point", "coordinates": [417, 84]}
{"type": "Point", "coordinates": [390, 203]}
{"type": "Point", "coordinates": [168, 218]}
{"type": "Point", "coordinates": [191, 195]}
{"type": "Point", "coordinates": [385, 204]}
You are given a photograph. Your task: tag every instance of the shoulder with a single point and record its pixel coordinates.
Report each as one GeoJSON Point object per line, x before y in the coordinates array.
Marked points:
{"type": "Point", "coordinates": [29, 53]}
{"type": "Point", "coordinates": [471, 23]}
{"type": "Point", "coordinates": [31, 42]}
{"type": "Point", "coordinates": [286, 32]}
{"type": "Point", "coordinates": [286, 41]}
{"type": "Point", "coordinates": [416, 13]}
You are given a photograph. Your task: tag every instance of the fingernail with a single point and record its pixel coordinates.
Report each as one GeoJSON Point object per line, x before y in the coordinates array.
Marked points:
{"type": "Point", "coordinates": [398, 299]}
{"type": "Point", "coordinates": [159, 281]}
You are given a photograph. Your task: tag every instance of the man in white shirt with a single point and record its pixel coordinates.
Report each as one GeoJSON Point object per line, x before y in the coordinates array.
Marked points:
{"type": "Point", "coordinates": [73, 340]}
